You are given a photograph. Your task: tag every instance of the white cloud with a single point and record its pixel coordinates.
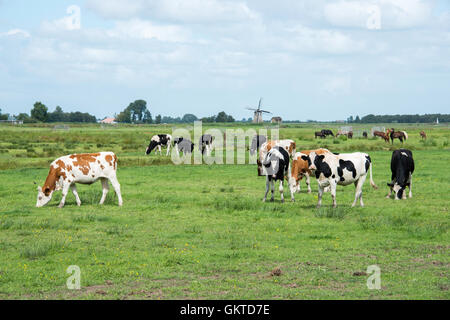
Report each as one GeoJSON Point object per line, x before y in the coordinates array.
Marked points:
{"type": "Point", "coordinates": [16, 32]}
{"type": "Point", "coordinates": [193, 11]}
{"type": "Point", "coordinates": [70, 22]}
{"type": "Point", "coordinates": [393, 13]}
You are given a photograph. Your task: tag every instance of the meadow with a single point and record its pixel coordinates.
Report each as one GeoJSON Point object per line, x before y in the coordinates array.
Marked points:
{"type": "Point", "coordinates": [202, 232]}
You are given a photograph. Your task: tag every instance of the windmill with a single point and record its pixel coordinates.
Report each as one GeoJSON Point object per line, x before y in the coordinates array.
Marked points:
{"type": "Point", "coordinates": [257, 117]}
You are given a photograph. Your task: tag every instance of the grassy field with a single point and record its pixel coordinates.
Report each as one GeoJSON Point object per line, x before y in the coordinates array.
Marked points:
{"type": "Point", "coordinates": [191, 232]}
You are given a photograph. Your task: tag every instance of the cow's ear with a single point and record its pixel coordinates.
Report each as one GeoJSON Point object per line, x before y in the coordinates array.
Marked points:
{"type": "Point", "coordinates": [321, 157]}
{"type": "Point", "coordinates": [305, 158]}
{"type": "Point", "coordinates": [390, 185]}
{"type": "Point", "coordinates": [47, 191]}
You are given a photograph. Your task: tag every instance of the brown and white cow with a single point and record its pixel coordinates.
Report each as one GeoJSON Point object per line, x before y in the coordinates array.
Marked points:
{"type": "Point", "coordinates": [300, 169]}
{"type": "Point", "coordinates": [85, 168]}
{"type": "Point", "coordinates": [288, 145]}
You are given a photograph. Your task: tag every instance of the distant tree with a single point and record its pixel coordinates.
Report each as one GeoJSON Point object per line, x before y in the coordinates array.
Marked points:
{"type": "Point", "coordinates": [350, 119]}
{"type": "Point", "coordinates": [357, 119]}
{"type": "Point", "coordinates": [158, 119]}
{"type": "Point", "coordinates": [188, 118]}
{"type": "Point", "coordinates": [39, 112]}
{"type": "Point", "coordinates": [3, 116]}
{"type": "Point", "coordinates": [136, 112]}
{"type": "Point", "coordinates": [57, 115]}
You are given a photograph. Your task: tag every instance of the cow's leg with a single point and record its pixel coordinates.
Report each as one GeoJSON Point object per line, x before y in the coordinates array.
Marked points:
{"type": "Point", "coordinates": [159, 148]}
{"type": "Point", "coordinates": [105, 186]}
{"type": "Point", "coordinates": [281, 189]}
{"type": "Point", "coordinates": [333, 193]}
{"type": "Point", "coordinates": [308, 182]}
{"type": "Point", "coordinates": [168, 149]}
{"type": "Point", "coordinates": [65, 190]}
{"type": "Point", "coordinates": [410, 186]}
{"type": "Point", "coordinates": [358, 192]}
{"type": "Point", "coordinates": [73, 187]}
{"type": "Point", "coordinates": [319, 196]}
{"type": "Point", "coordinates": [116, 186]}
{"type": "Point", "coordinates": [272, 187]}
{"type": "Point", "coordinates": [267, 189]}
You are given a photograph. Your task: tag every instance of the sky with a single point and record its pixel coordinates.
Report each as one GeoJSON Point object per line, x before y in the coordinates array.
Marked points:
{"type": "Point", "coordinates": [308, 59]}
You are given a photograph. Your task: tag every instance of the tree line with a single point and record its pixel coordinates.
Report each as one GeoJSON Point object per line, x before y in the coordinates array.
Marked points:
{"type": "Point", "coordinates": [400, 118]}
{"type": "Point", "coordinates": [40, 113]}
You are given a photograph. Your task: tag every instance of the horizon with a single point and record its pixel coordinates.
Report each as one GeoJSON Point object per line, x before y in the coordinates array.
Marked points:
{"type": "Point", "coordinates": [339, 58]}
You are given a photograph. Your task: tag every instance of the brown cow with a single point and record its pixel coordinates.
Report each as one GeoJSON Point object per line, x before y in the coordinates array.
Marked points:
{"type": "Point", "coordinates": [382, 135]}
{"type": "Point", "coordinates": [423, 135]}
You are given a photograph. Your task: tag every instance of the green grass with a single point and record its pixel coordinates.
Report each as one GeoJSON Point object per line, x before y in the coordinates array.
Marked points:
{"type": "Point", "coordinates": [203, 232]}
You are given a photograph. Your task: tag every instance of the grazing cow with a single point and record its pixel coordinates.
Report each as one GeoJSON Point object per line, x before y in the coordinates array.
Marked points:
{"type": "Point", "coordinates": [300, 169]}
{"type": "Point", "coordinates": [349, 134]}
{"type": "Point", "coordinates": [257, 142]}
{"type": "Point", "coordinates": [319, 134]}
{"type": "Point", "coordinates": [327, 132]}
{"type": "Point", "coordinates": [402, 168]}
{"type": "Point", "coordinates": [382, 135]}
{"type": "Point", "coordinates": [276, 164]}
{"type": "Point", "coordinates": [205, 143]}
{"type": "Point", "coordinates": [288, 145]}
{"type": "Point", "coordinates": [365, 135]}
{"type": "Point", "coordinates": [159, 140]}
{"type": "Point", "coordinates": [340, 169]}
{"type": "Point", "coordinates": [400, 135]}
{"type": "Point", "coordinates": [86, 168]}
{"type": "Point", "coordinates": [423, 135]}
{"type": "Point", "coordinates": [183, 145]}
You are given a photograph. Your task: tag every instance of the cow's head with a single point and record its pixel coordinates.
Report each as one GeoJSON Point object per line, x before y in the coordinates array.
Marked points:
{"type": "Point", "coordinates": [43, 197]}
{"type": "Point", "coordinates": [151, 146]}
{"type": "Point", "coordinates": [398, 190]}
{"type": "Point", "coordinates": [271, 162]}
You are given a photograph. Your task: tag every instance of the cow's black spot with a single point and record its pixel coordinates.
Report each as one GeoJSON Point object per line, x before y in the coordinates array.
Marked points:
{"type": "Point", "coordinates": [368, 161]}
{"type": "Point", "coordinates": [344, 164]}
{"type": "Point", "coordinates": [322, 167]}
{"type": "Point", "coordinates": [333, 176]}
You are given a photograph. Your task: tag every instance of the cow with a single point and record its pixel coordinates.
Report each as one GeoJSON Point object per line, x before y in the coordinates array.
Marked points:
{"type": "Point", "coordinates": [159, 140]}
{"type": "Point", "coordinates": [319, 134]}
{"type": "Point", "coordinates": [276, 163]}
{"type": "Point", "coordinates": [402, 168]}
{"type": "Point", "coordinates": [205, 143]}
{"type": "Point", "coordinates": [183, 145]}
{"type": "Point", "coordinates": [257, 142]}
{"type": "Point", "coordinates": [364, 135]}
{"type": "Point", "coordinates": [300, 169]}
{"type": "Point", "coordinates": [85, 168]}
{"type": "Point", "coordinates": [288, 145]}
{"type": "Point", "coordinates": [340, 169]}
{"type": "Point", "coordinates": [382, 135]}
{"type": "Point", "coordinates": [400, 135]}
{"type": "Point", "coordinates": [423, 135]}
{"type": "Point", "coordinates": [327, 132]}
{"type": "Point", "coordinates": [349, 134]}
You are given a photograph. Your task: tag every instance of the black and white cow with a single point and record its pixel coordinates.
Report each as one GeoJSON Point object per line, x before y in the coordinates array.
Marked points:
{"type": "Point", "coordinates": [159, 140]}
{"type": "Point", "coordinates": [327, 132]}
{"type": "Point", "coordinates": [276, 163]}
{"type": "Point", "coordinates": [340, 169]}
{"type": "Point", "coordinates": [183, 145]}
{"type": "Point", "coordinates": [257, 142]}
{"type": "Point", "coordinates": [402, 168]}
{"type": "Point", "coordinates": [205, 143]}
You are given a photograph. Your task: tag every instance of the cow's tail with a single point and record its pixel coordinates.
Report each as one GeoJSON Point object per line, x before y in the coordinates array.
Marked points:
{"type": "Point", "coordinates": [406, 135]}
{"type": "Point", "coordinates": [372, 183]}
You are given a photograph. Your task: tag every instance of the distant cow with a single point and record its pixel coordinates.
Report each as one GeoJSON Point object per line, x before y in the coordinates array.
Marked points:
{"type": "Point", "coordinates": [382, 135]}
{"type": "Point", "coordinates": [287, 144]}
{"type": "Point", "coordinates": [365, 135]}
{"type": "Point", "coordinates": [205, 143]}
{"type": "Point", "coordinates": [340, 169]}
{"type": "Point", "coordinates": [257, 142]}
{"type": "Point", "coordinates": [327, 132]}
{"type": "Point", "coordinates": [183, 145]}
{"type": "Point", "coordinates": [347, 134]}
{"type": "Point", "coordinates": [159, 140]}
{"type": "Point", "coordinates": [87, 168]}
{"type": "Point", "coordinates": [300, 169]}
{"type": "Point", "coordinates": [276, 164]}
{"type": "Point", "coordinates": [400, 135]}
{"type": "Point", "coordinates": [319, 134]}
{"type": "Point", "coordinates": [402, 168]}
{"type": "Point", "coordinates": [423, 135]}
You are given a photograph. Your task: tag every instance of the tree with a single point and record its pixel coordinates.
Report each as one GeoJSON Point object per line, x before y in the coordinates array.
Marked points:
{"type": "Point", "coordinates": [188, 118]}
{"type": "Point", "coordinates": [136, 112]}
{"type": "Point", "coordinates": [39, 112]}
{"type": "Point", "coordinates": [357, 119]}
{"type": "Point", "coordinates": [158, 119]}
{"type": "Point", "coordinates": [57, 116]}
{"type": "Point", "coordinates": [3, 116]}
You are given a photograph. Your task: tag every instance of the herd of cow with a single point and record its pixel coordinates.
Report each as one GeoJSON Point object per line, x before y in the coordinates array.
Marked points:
{"type": "Point", "coordinates": [389, 134]}
{"type": "Point", "coordinates": [273, 161]}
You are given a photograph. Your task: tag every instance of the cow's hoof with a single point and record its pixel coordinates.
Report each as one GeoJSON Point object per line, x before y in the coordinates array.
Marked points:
{"type": "Point", "coordinates": [263, 200]}
{"type": "Point", "coordinates": [61, 206]}
{"type": "Point", "coordinates": [388, 197]}
{"type": "Point", "coordinates": [292, 200]}
{"type": "Point", "coordinates": [272, 200]}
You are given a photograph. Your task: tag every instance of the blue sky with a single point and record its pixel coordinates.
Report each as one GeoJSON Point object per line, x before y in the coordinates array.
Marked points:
{"type": "Point", "coordinates": [312, 59]}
